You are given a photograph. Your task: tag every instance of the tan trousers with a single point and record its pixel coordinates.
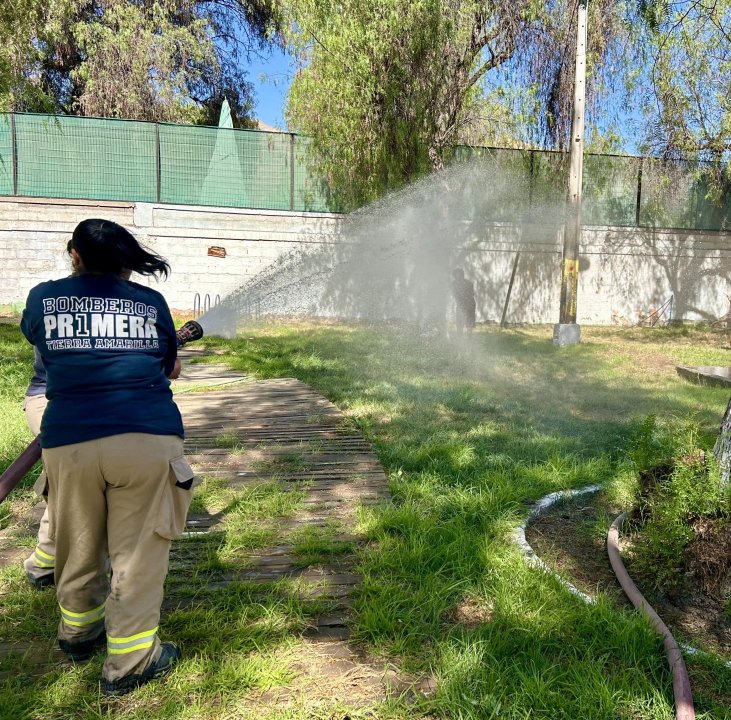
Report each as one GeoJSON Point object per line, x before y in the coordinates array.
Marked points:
{"type": "Point", "coordinates": [118, 495]}
{"type": "Point", "coordinates": [42, 561]}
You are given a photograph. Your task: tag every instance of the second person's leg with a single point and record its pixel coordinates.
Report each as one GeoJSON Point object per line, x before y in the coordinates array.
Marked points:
{"type": "Point", "coordinates": [78, 523]}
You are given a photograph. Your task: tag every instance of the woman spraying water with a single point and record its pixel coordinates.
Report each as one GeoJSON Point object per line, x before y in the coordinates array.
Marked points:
{"type": "Point", "coordinates": [112, 439]}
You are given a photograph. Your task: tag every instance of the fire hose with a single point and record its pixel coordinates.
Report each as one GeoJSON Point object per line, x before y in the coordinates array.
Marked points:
{"type": "Point", "coordinates": [32, 454]}
{"type": "Point", "coordinates": [684, 709]}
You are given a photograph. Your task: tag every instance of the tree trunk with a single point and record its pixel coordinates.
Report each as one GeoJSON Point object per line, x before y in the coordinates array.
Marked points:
{"type": "Point", "coordinates": [722, 448]}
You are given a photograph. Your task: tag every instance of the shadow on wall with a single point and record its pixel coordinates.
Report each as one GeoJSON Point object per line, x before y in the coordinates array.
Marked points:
{"type": "Point", "coordinates": [393, 261]}
{"type": "Point", "coordinates": [528, 255]}
{"type": "Point", "coordinates": [647, 267]}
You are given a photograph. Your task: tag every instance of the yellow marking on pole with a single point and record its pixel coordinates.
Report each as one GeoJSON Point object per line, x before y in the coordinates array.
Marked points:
{"type": "Point", "coordinates": [570, 267]}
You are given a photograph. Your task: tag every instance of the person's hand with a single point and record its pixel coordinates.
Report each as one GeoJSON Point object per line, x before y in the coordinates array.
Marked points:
{"type": "Point", "coordinates": [175, 372]}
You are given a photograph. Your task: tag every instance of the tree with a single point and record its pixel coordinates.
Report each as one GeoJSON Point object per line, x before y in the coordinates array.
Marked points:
{"type": "Point", "coordinates": [689, 105]}
{"type": "Point", "coordinates": [722, 448]}
{"type": "Point", "coordinates": [139, 62]}
{"type": "Point", "coordinates": [171, 60]}
{"type": "Point", "coordinates": [386, 87]}
{"type": "Point", "coordinates": [689, 77]}
{"type": "Point", "coordinates": [18, 88]}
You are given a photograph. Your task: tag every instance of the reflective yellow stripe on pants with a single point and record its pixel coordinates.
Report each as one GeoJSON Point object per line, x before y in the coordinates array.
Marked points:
{"type": "Point", "coordinates": [43, 559]}
{"type": "Point", "coordinates": [83, 618]}
{"type": "Point", "coordinates": [123, 645]}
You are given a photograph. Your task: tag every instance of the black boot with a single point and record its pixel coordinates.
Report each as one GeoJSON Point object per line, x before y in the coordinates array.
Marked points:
{"type": "Point", "coordinates": [82, 651]}
{"type": "Point", "coordinates": [169, 655]}
{"type": "Point", "coordinates": [44, 581]}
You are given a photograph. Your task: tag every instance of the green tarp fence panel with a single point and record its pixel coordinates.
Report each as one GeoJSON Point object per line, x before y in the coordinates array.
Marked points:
{"type": "Point", "coordinates": [684, 195]}
{"type": "Point", "coordinates": [6, 156]}
{"type": "Point", "coordinates": [311, 192]}
{"type": "Point", "coordinates": [617, 190]}
{"type": "Point", "coordinates": [105, 159]}
{"type": "Point", "coordinates": [224, 167]}
{"type": "Point", "coordinates": [609, 193]}
{"type": "Point", "coordinates": [521, 181]}
{"type": "Point", "coordinates": [73, 157]}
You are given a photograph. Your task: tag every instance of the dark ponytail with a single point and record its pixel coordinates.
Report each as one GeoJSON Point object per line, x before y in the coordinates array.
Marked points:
{"type": "Point", "coordinates": [106, 247]}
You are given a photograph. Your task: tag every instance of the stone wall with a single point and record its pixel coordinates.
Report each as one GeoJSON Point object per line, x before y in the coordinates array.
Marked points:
{"type": "Point", "coordinates": [625, 273]}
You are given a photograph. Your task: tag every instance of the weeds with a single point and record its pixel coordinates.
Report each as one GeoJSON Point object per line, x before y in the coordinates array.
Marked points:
{"type": "Point", "coordinates": [679, 486]}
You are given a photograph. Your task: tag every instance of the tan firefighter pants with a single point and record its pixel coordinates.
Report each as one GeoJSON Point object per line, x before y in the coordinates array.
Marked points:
{"type": "Point", "coordinates": [115, 494]}
{"type": "Point", "coordinates": [42, 561]}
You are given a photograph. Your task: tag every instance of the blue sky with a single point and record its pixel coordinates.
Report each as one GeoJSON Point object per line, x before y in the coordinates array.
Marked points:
{"type": "Point", "coordinates": [271, 77]}
{"type": "Point", "coordinates": [272, 74]}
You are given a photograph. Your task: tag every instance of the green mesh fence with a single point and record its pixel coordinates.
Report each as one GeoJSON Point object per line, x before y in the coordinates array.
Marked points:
{"type": "Point", "coordinates": [683, 195]}
{"type": "Point", "coordinates": [609, 194]}
{"type": "Point", "coordinates": [6, 156]}
{"type": "Point", "coordinates": [617, 190]}
{"type": "Point", "coordinates": [220, 166]}
{"type": "Point", "coordinates": [510, 190]}
{"type": "Point", "coordinates": [74, 157]}
{"type": "Point", "coordinates": [235, 168]}
{"type": "Point", "coordinates": [101, 159]}
{"type": "Point", "coordinates": [547, 169]}
{"type": "Point", "coordinates": [311, 192]}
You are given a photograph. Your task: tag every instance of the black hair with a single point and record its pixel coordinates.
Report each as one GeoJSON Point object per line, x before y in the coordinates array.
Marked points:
{"type": "Point", "coordinates": [106, 247]}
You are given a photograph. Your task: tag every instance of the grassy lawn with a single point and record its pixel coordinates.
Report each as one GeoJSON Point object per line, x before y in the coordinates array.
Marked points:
{"type": "Point", "coordinates": [468, 437]}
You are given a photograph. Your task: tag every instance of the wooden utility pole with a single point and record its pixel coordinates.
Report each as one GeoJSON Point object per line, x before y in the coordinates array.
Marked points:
{"type": "Point", "coordinates": [567, 332]}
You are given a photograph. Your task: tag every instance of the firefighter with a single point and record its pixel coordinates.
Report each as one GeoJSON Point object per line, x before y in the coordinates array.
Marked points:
{"type": "Point", "coordinates": [112, 439]}
{"type": "Point", "coordinates": [40, 565]}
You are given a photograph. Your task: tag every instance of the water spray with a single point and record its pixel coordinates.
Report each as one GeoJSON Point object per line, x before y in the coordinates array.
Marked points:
{"type": "Point", "coordinates": [391, 260]}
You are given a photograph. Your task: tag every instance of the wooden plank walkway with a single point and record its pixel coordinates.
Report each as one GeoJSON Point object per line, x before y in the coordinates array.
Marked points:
{"type": "Point", "coordinates": [281, 431]}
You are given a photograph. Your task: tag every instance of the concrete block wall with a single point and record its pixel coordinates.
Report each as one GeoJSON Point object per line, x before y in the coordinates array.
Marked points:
{"type": "Point", "coordinates": [625, 273]}
{"type": "Point", "coordinates": [33, 237]}
{"type": "Point", "coordinates": [34, 233]}
{"type": "Point", "coordinates": [252, 240]}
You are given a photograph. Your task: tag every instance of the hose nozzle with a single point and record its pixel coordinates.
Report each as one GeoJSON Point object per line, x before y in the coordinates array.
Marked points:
{"type": "Point", "coordinates": [189, 332]}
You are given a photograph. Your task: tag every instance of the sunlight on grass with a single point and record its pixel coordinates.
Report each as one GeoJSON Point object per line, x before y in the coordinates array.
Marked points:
{"type": "Point", "coordinates": [230, 441]}
{"type": "Point", "coordinates": [315, 545]}
{"type": "Point", "coordinates": [468, 441]}
{"type": "Point", "coordinates": [285, 463]}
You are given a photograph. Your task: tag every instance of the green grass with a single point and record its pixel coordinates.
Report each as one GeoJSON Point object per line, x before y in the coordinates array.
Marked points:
{"type": "Point", "coordinates": [16, 360]}
{"type": "Point", "coordinates": [467, 440]}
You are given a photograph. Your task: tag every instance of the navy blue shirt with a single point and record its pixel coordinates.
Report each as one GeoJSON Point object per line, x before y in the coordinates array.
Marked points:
{"type": "Point", "coordinates": [107, 346]}
{"type": "Point", "coordinates": [38, 381]}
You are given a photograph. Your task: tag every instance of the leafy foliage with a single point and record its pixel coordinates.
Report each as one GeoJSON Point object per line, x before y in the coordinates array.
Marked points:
{"type": "Point", "coordinates": [689, 45]}
{"type": "Point", "coordinates": [386, 87]}
{"type": "Point", "coordinates": [172, 60]}
{"type": "Point", "coordinates": [385, 83]}
{"type": "Point", "coordinates": [680, 484]}
{"type": "Point", "coordinates": [19, 20]}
